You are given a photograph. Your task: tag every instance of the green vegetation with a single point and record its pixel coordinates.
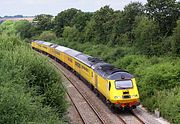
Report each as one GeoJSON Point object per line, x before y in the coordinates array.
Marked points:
{"type": "Point", "coordinates": [47, 36]}
{"type": "Point", "coordinates": [30, 88]}
{"type": "Point", "coordinates": [157, 77]}
{"type": "Point", "coordinates": [143, 39]}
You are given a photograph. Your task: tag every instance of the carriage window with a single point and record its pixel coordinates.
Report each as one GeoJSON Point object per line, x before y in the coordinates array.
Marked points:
{"type": "Point", "coordinates": [77, 64]}
{"type": "Point", "coordinates": [57, 52]}
{"type": "Point", "coordinates": [70, 59]}
{"type": "Point", "coordinates": [85, 68]}
{"type": "Point", "coordinates": [44, 47]}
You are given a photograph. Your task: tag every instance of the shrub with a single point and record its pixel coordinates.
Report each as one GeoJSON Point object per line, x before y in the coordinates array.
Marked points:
{"type": "Point", "coordinates": [17, 106]}
{"type": "Point", "coordinates": [47, 36]}
{"type": "Point", "coordinates": [131, 62]}
{"type": "Point", "coordinates": [30, 88]}
{"type": "Point", "coordinates": [169, 104]}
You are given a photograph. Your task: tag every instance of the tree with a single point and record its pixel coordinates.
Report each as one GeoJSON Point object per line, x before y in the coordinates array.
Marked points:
{"type": "Point", "coordinates": [104, 20]}
{"type": "Point", "coordinates": [70, 33]}
{"type": "Point", "coordinates": [89, 33]}
{"type": "Point", "coordinates": [7, 27]}
{"type": "Point", "coordinates": [176, 39]}
{"type": "Point", "coordinates": [146, 34]}
{"type": "Point", "coordinates": [125, 21]}
{"type": "Point", "coordinates": [64, 18]}
{"type": "Point", "coordinates": [23, 27]}
{"type": "Point", "coordinates": [165, 13]}
{"type": "Point", "coordinates": [47, 36]}
{"type": "Point", "coordinates": [43, 22]}
{"type": "Point", "coordinates": [129, 14]}
{"type": "Point", "coordinates": [81, 19]}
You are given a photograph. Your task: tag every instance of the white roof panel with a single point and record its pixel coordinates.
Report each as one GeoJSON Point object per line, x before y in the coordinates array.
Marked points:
{"type": "Point", "coordinates": [72, 52]}
{"type": "Point", "coordinates": [40, 42]}
{"type": "Point", "coordinates": [61, 48]}
{"type": "Point", "coordinates": [47, 43]}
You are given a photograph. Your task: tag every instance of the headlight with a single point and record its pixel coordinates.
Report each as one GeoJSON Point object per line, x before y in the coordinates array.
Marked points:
{"type": "Point", "coordinates": [134, 96]}
{"type": "Point", "coordinates": [117, 97]}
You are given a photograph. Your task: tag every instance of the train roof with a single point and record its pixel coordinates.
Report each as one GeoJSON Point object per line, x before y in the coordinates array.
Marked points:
{"type": "Point", "coordinates": [110, 72]}
{"type": "Point", "coordinates": [121, 75]}
{"type": "Point", "coordinates": [88, 60]}
{"type": "Point", "coordinates": [61, 48]}
{"type": "Point", "coordinates": [84, 59]}
{"type": "Point", "coordinates": [53, 45]}
{"type": "Point", "coordinates": [72, 52]}
{"type": "Point", "coordinates": [47, 43]}
{"type": "Point", "coordinates": [104, 69]}
{"type": "Point", "coordinates": [40, 42]}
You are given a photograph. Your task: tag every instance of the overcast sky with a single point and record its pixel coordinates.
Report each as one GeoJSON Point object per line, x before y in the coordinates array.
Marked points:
{"type": "Point", "coordinates": [34, 7]}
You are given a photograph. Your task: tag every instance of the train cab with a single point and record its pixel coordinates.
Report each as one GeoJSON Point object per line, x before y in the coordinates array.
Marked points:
{"type": "Point", "coordinates": [120, 85]}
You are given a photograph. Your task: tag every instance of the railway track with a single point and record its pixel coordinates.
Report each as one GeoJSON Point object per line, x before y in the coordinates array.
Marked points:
{"type": "Point", "coordinates": [130, 118]}
{"type": "Point", "coordinates": [84, 119]}
{"type": "Point", "coordinates": [92, 114]}
{"type": "Point", "coordinates": [79, 118]}
{"type": "Point", "coordinates": [123, 119]}
{"type": "Point", "coordinates": [138, 118]}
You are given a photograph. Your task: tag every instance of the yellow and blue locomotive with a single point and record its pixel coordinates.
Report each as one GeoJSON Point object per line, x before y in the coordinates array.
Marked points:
{"type": "Point", "coordinates": [117, 86]}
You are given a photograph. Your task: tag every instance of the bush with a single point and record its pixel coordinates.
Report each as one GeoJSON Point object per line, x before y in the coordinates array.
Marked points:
{"type": "Point", "coordinates": [169, 104]}
{"type": "Point", "coordinates": [23, 27]}
{"type": "Point", "coordinates": [16, 106]}
{"type": "Point", "coordinates": [47, 36]}
{"type": "Point", "coordinates": [30, 88]}
{"type": "Point", "coordinates": [131, 62]}
{"type": "Point", "coordinates": [8, 27]}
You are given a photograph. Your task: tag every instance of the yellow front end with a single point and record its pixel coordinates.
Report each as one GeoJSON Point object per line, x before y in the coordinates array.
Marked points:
{"type": "Point", "coordinates": [124, 97]}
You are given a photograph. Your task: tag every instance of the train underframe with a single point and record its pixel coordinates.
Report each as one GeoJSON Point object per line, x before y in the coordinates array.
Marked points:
{"type": "Point", "coordinates": [130, 105]}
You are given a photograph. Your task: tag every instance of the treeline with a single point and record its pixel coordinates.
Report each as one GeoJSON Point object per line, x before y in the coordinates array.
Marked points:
{"type": "Point", "coordinates": [152, 28]}
{"type": "Point", "coordinates": [15, 16]}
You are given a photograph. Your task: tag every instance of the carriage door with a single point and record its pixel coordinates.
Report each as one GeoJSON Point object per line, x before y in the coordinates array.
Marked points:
{"type": "Point", "coordinates": [96, 81]}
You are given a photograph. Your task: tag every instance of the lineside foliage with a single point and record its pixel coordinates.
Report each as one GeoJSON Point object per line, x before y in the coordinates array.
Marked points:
{"type": "Point", "coordinates": [157, 77]}
{"type": "Point", "coordinates": [30, 88]}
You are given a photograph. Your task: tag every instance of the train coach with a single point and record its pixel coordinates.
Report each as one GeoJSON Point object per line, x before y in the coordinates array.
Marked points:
{"type": "Point", "coordinates": [117, 86]}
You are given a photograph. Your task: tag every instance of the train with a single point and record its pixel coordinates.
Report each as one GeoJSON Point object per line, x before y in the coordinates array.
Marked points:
{"type": "Point", "coordinates": [117, 86]}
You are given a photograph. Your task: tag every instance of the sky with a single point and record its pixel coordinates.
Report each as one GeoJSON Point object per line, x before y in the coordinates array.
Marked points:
{"type": "Point", "coordinates": [53, 7]}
